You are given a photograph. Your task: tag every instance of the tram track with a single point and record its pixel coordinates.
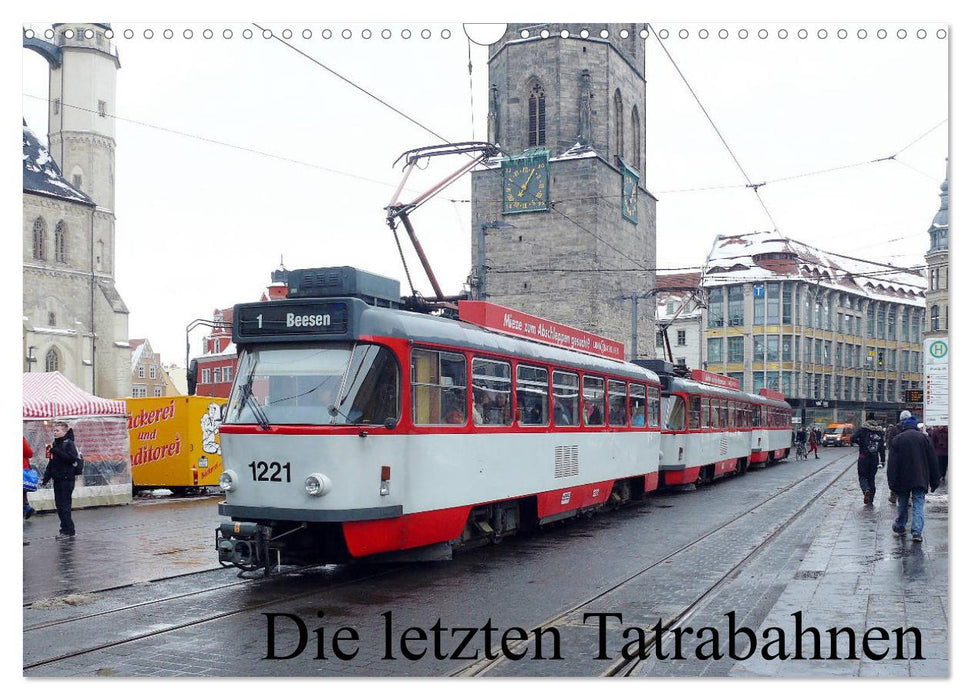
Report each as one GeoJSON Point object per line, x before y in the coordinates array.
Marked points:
{"type": "Point", "coordinates": [169, 629]}
{"type": "Point", "coordinates": [626, 667]}
{"type": "Point", "coordinates": [155, 601]}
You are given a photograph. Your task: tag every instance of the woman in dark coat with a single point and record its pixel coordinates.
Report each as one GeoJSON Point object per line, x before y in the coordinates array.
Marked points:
{"type": "Point", "coordinates": [60, 467]}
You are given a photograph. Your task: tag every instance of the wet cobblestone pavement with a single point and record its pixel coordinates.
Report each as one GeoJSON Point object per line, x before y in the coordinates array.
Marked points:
{"type": "Point", "coordinates": [119, 545]}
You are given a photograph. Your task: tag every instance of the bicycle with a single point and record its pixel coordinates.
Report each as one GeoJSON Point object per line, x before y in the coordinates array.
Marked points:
{"type": "Point", "coordinates": [801, 451]}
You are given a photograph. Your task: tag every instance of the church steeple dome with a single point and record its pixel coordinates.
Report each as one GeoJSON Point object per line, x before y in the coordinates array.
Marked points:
{"type": "Point", "coordinates": [940, 225]}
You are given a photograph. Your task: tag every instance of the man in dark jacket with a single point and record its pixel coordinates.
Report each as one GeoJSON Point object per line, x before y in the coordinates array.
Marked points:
{"type": "Point", "coordinates": [912, 468]}
{"type": "Point", "coordinates": [888, 438]}
{"type": "Point", "coordinates": [869, 437]}
{"type": "Point", "coordinates": [63, 456]}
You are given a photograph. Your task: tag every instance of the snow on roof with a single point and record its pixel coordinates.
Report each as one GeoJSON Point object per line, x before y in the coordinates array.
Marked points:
{"type": "Point", "coordinates": [763, 255]}
{"type": "Point", "coordinates": [43, 177]}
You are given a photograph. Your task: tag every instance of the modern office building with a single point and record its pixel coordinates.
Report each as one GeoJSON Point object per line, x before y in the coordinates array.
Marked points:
{"type": "Point", "coordinates": [841, 337]}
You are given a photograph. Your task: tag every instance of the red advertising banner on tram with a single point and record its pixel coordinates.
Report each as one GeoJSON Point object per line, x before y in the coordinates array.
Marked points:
{"type": "Point", "coordinates": [505, 320]}
{"type": "Point", "coordinates": [700, 375]}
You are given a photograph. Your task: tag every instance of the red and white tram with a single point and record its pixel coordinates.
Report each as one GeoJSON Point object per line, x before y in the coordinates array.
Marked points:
{"type": "Point", "coordinates": [710, 428]}
{"type": "Point", "coordinates": [705, 431]}
{"type": "Point", "coordinates": [355, 428]}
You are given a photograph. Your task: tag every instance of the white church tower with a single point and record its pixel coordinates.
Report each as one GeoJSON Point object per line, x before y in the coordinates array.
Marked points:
{"type": "Point", "coordinates": [74, 319]}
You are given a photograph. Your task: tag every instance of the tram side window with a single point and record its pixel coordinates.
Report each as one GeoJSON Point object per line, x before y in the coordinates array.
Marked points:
{"type": "Point", "coordinates": [593, 401]}
{"type": "Point", "coordinates": [638, 405]}
{"type": "Point", "coordinates": [705, 412]}
{"type": "Point", "coordinates": [438, 387]}
{"type": "Point", "coordinates": [723, 420]}
{"type": "Point", "coordinates": [695, 415]}
{"type": "Point", "coordinates": [756, 417]}
{"type": "Point", "coordinates": [653, 406]}
{"type": "Point", "coordinates": [566, 398]}
{"type": "Point", "coordinates": [616, 403]}
{"type": "Point", "coordinates": [532, 395]}
{"type": "Point", "coordinates": [491, 392]}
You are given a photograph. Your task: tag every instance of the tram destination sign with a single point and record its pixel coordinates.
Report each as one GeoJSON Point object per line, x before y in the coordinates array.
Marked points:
{"type": "Point", "coordinates": [286, 320]}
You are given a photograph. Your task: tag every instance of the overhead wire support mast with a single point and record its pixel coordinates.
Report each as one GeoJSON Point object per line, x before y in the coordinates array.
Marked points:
{"type": "Point", "coordinates": [400, 211]}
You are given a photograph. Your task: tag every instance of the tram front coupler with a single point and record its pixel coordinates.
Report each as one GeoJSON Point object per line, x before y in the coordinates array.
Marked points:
{"type": "Point", "coordinates": [243, 545]}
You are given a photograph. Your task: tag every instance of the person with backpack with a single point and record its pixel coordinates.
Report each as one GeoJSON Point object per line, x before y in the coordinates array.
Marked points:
{"type": "Point", "coordinates": [63, 466]}
{"type": "Point", "coordinates": [911, 471]}
{"type": "Point", "coordinates": [869, 438]}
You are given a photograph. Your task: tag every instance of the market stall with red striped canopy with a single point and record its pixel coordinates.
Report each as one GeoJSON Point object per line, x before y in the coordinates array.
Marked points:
{"type": "Point", "coordinates": [100, 433]}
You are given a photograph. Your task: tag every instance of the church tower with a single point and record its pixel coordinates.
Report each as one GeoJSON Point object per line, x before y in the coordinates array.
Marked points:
{"type": "Point", "coordinates": [75, 321]}
{"type": "Point", "coordinates": [562, 226]}
{"type": "Point", "coordinates": [938, 271]}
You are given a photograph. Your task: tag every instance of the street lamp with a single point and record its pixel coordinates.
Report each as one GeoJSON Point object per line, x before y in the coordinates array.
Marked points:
{"type": "Point", "coordinates": [480, 258]}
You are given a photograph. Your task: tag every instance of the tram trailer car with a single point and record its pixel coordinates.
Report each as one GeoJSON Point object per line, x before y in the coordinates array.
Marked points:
{"type": "Point", "coordinates": [771, 428]}
{"type": "Point", "coordinates": [357, 429]}
{"type": "Point", "coordinates": [710, 428]}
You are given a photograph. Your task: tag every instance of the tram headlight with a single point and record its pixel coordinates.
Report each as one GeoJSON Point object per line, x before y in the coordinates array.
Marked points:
{"type": "Point", "coordinates": [316, 484]}
{"type": "Point", "coordinates": [228, 481]}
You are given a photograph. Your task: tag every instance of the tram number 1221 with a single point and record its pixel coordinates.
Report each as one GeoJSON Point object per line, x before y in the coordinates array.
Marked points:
{"type": "Point", "coordinates": [260, 469]}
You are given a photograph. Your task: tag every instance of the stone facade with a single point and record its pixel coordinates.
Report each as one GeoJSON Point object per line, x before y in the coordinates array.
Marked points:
{"type": "Point", "coordinates": [576, 261]}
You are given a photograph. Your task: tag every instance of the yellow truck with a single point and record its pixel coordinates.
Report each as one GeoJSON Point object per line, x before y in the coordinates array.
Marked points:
{"type": "Point", "coordinates": [175, 442]}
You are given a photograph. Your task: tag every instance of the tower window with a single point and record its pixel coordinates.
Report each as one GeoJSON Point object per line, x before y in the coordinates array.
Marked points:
{"type": "Point", "coordinates": [51, 319]}
{"type": "Point", "coordinates": [60, 242]}
{"type": "Point", "coordinates": [537, 116]}
{"type": "Point", "coordinates": [935, 318]}
{"type": "Point", "coordinates": [619, 122]}
{"type": "Point", "coordinates": [51, 361]}
{"type": "Point", "coordinates": [40, 234]}
{"type": "Point", "coordinates": [57, 105]}
{"type": "Point", "coordinates": [635, 126]}
{"type": "Point", "coordinates": [102, 108]}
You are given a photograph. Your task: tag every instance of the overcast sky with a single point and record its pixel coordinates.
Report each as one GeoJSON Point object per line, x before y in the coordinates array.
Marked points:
{"type": "Point", "coordinates": [235, 152]}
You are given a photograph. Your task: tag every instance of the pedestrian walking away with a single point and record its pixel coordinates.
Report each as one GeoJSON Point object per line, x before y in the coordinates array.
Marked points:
{"type": "Point", "coordinates": [912, 470]}
{"type": "Point", "coordinates": [893, 431]}
{"type": "Point", "coordinates": [61, 467]}
{"type": "Point", "coordinates": [869, 438]}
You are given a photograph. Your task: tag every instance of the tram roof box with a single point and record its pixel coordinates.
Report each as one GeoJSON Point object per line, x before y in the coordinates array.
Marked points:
{"type": "Point", "coordinates": [317, 282]}
{"type": "Point", "coordinates": [659, 367]}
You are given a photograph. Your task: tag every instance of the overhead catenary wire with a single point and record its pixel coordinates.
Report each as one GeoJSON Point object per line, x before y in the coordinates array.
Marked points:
{"type": "Point", "coordinates": [752, 185]}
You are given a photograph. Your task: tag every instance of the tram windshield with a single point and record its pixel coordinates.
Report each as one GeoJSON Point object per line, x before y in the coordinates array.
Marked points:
{"type": "Point", "coordinates": [339, 384]}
